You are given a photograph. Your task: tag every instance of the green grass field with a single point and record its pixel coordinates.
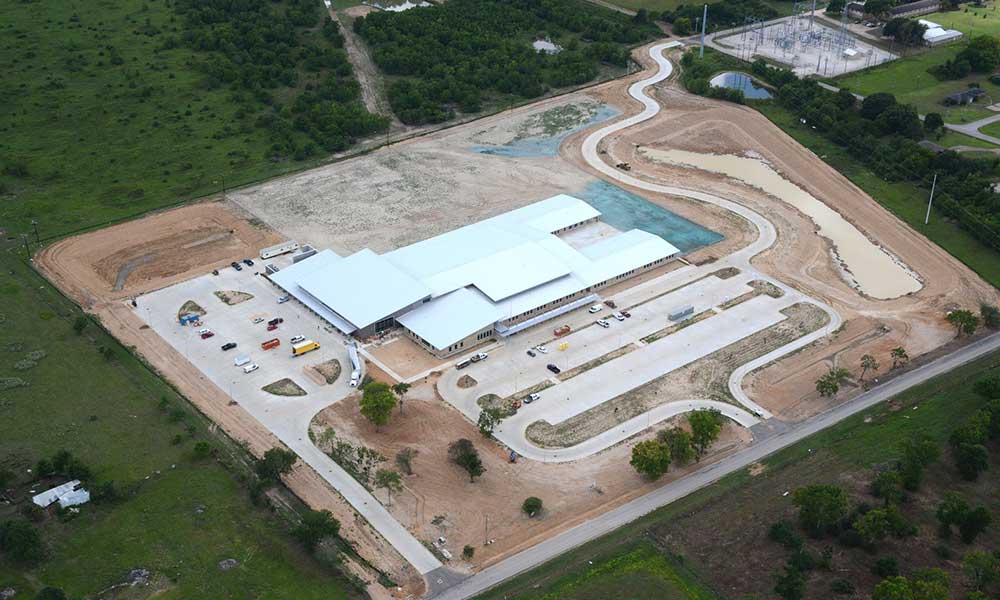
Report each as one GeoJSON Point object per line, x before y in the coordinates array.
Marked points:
{"type": "Point", "coordinates": [107, 413]}
{"type": "Point", "coordinates": [905, 200]}
{"type": "Point", "coordinates": [99, 140]}
{"type": "Point", "coordinates": [951, 139]}
{"type": "Point", "coordinates": [857, 443]}
{"type": "Point", "coordinates": [970, 20]}
{"type": "Point", "coordinates": [991, 129]}
{"type": "Point", "coordinates": [908, 79]}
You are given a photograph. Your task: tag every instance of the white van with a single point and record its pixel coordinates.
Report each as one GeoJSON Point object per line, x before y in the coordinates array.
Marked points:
{"type": "Point", "coordinates": [250, 368]}
{"type": "Point", "coordinates": [241, 360]}
{"type": "Point", "coordinates": [355, 379]}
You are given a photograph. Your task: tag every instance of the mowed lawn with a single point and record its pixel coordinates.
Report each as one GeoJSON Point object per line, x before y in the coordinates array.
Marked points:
{"type": "Point", "coordinates": [908, 79]}
{"type": "Point", "coordinates": [951, 139]}
{"type": "Point", "coordinates": [970, 20]}
{"type": "Point", "coordinates": [993, 128]}
{"type": "Point", "coordinates": [845, 452]}
{"type": "Point", "coordinates": [105, 115]}
{"type": "Point", "coordinates": [179, 516]}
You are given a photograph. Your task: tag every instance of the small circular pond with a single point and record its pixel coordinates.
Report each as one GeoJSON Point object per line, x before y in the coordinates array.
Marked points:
{"type": "Point", "coordinates": [744, 83]}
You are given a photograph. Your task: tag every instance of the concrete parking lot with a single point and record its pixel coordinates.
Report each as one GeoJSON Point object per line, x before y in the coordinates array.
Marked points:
{"type": "Point", "coordinates": [287, 417]}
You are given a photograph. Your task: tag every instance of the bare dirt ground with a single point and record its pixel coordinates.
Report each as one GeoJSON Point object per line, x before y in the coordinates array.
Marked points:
{"type": "Point", "coordinates": [156, 251]}
{"type": "Point", "coordinates": [438, 487]}
{"type": "Point", "coordinates": [403, 356]}
{"type": "Point", "coordinates": [800, 257]}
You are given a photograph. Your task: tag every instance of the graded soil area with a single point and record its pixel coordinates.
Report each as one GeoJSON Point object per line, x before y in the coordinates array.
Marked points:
{"type": "Point", "coordinates": [571, 492]}
{"type": "Point", "coordinates": [800, 257]}
{"type": "Point", "coordinates": [152, 252]}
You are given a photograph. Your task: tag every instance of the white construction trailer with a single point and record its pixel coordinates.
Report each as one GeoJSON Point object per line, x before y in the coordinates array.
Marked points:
{"type": "Point", "coordinates": [282, 248]}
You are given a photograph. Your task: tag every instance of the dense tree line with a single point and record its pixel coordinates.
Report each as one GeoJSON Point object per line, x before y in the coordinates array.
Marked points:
{"type": "Point", "coordinates": [981, 55]}
{"type": "Point", "coordinates": [905, 31]}
{"type": "Point", "coordinates": [884, 134]}
{"type": "Point", "coordinates": [263, 51]}
{"type": "Point", "coordinates": [721, 15]}
{"type": "Point", "coordinates": [454, 55]}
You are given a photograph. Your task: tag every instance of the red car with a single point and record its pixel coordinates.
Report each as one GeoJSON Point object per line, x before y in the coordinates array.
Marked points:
{"type": "Point", "coordinates": [207, 335]}
{"type": "Point", "coordinates": [272, 326]}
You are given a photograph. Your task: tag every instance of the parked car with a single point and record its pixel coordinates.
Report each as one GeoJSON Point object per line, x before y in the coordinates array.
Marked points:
{"type": "Point", "coordinates": [611, 303]}
{"type": "Point", "coordinates": [276, 321]}
{"type": "Point", "coordinates": [542, 349]}
{"type": "Point", "coordinates": [272, 326]}
{"type": "Point", "coordinates": [553, 368]}
{"type": "Point", "coordinates": [561, 330]}
{"type": "Point", "coordinates": [215, 271]}
{"type": "Point", "coordinates": [207, 335]}
{"type": "Point", "coordinates": [603, 323]}
{"type": "Point", "coordinates": [284, 299]}
{"type": "Point", "coordinates": [627, 314]}
{"type": "Point", "coordinates": [248, 262]}
{"type": "Point", "coordinates": [228, 346]}
{"type": "Point", "coordinates": [463, 363]}
{"type": "Point", "coordinates": [258, 320]}
{"type": "Point", "coordinates": [250, 368]}
{"type": "Point", "coordinates": [236, 266]}
{"type": "Point", "coordinates": [479, 357]}
{"type": "Point", "coordinates": [618, 316]}
{"type": "Point", "coordinates": [594, 309]}
{"type": "Point", "coordinates": [531, 353]}
{"type": "Point", "coordinates": [203, 331]}
{"type": "Point", "coordinates": [532, 397]}
{"type": "Point", "coordinates": [297, 339]}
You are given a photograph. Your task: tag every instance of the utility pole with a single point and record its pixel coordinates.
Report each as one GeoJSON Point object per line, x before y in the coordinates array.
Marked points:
{"type": "Point", "coordinates": [27, 249]}
{"type": "Point", "coordinates": [34, 224]}
{"type": "Point", "coordinates": [930, 200]}
{"type": "Point", "coordinates": [704, 20]}
{"type": "Point", "coordinates": [486, 530]}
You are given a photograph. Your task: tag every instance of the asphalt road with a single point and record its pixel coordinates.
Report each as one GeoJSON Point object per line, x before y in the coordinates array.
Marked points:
{"type": "Point", "coordinates": [671, 492]}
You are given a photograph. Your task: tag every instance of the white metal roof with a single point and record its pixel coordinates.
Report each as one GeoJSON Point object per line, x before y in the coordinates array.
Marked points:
{"type": "Point", "coordinates": [451, 318]}
{"type": "Point", "coordinates": [364, 288]}
{"type": "Point", "coordinates": [938, 34]}
{"type": "Point", "coordinates": [80, 496]}
{"type": "Point", "coordinates": [470, 277]}
{"type": "Point", "coordinates": [49, 496]}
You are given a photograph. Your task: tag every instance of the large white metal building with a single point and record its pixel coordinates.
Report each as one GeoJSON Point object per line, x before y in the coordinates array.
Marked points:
{"type": "Point", "coordinates": [492, 278]}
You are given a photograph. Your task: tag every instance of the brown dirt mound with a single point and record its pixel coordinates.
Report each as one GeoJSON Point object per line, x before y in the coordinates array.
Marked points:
{"type": "Point", "coordinates": [233, 297]}
{"type": "Point", "coordinates": [329, 371]}
{"type": "Point", "coordinates": [466, 381]}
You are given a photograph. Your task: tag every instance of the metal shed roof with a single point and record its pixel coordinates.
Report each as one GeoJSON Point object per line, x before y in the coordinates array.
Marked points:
{"type": "Point", "coordinates": [451, 318]}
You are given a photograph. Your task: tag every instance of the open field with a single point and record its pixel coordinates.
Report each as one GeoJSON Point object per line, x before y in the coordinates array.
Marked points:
{"type": "Point", "coordinates": [907, 78]}
{"type": "Point", "coordinates": [107, 413]}
{"type": "Point", "coordinates": [742, 506]}
{"type": "Point", "coordinates": [970, 19]}
{"type": "Point", "coordinates": [125, 131]}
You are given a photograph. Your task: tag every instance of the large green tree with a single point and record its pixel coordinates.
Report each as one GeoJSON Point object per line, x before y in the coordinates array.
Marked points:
{"type": "Point", "coordinates": [377, 402]}
{"type": "Point", "coordinates": [651, 458]}
{"type": "Point", "coordinates": [314, 527]}
{"type": "Point", "coordinates": [705, 428]}
{"type": "Point", "coordinates": [464, 454]}
{"type": "Point", "coordinates": [821, 507]}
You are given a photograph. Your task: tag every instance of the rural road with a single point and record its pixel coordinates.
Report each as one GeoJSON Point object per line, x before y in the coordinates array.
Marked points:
{"type": "Point", "coordinates": [671, 492]}
{"type": "Point", "coordinates": [445, 584]}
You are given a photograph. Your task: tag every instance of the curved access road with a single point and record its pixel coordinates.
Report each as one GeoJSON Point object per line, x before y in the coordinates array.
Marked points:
{"type": "Point", "coordinates": [766, 234]}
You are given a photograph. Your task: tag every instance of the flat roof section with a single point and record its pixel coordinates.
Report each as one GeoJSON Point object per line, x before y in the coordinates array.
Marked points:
{"type": "Point", "coordinates": [364, 288]}
{"type": "Point", "coordinates": [513, 271]}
